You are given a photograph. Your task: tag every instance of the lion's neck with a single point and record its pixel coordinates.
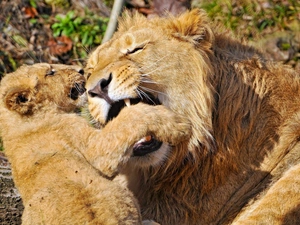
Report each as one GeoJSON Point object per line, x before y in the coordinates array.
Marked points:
{"type": "Point", "coordinates": [247, 123]}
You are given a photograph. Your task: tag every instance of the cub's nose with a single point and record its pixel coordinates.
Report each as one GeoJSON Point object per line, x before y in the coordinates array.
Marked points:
{"type": "Point", "coordinates": [81, 71]}
{"type": "Point", "coordinates": [101, 89]}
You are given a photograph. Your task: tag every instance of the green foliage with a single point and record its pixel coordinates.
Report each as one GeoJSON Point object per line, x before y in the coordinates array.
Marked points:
{"type": "Point", "coordinates": [87, 30]}
{"type": "Point", "coordinates": [251, 17]}
{"type": "Point", "coordinates": [33, 21]}
{"type": "Point", "coordinates": [58, 3]}
{"type": "Point", "coordinates": [109, 3]}
{"type": "Point", "coordinates": [32, 3]}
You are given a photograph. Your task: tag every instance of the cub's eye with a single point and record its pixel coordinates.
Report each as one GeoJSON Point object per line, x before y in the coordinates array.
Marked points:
{"type": "Point", "coordinates": [50, 72]}
{"type": "Point", "coordinates": [135, 50]}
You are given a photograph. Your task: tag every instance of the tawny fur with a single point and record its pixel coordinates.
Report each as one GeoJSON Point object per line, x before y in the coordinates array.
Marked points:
{"type": "Point", "coordinates": [242, 158]}
{"type": "Point", "coordinates": [62, 167]}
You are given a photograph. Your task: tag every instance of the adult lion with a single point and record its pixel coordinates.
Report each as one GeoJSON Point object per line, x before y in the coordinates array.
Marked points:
{"type": "Point", "coordinates": [51, 149]}
{"type": "Point", "coordinates": [241, 164]}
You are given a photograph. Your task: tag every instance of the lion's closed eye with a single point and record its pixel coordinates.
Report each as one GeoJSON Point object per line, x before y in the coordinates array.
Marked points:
{"type": "Point", "coordinates": [135, 50]}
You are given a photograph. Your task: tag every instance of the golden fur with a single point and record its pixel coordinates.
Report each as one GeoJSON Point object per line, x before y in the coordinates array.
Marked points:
{"type": "Point", "coordinates": [240, 165]}
{"type": "Point", "coordinates": [62, 167]}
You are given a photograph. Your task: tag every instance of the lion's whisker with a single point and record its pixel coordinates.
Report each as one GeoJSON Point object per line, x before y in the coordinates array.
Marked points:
{"type": "Point", "coordinates": [146, 96]}
{"type": "Point", "coordinates": [149, 81]}
{"type": "Point", "coordinates": [152, 90]}
{"type": "Point", "coordinates": [139, 94]}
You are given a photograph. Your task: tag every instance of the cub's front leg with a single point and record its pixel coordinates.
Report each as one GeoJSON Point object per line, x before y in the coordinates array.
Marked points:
{"type": "Point", "coordinates": [139, 133]}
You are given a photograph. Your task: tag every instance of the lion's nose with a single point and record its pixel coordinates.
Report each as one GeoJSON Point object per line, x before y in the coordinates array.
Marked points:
{"type": "Point", "coordinates": [101, 89]}
{"type": "Point", "coordinates": [105, 82]}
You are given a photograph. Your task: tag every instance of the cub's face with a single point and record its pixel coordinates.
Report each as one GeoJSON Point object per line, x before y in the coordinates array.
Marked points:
{"type": "Point", "coordinates": [41, 86]}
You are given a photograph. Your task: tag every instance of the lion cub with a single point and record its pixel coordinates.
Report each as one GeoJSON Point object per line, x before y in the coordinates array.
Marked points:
{"type": "Point", "coordinates": [62, 167]}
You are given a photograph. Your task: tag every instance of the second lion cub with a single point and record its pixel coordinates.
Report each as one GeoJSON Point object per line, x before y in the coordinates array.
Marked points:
{"type": "Point", "coordinates": [63, 167]}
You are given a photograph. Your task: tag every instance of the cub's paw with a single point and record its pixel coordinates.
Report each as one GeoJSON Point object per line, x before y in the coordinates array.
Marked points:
{"type": "Point", "coordinates": [156, 122]}
{"type": "Point", "coordinates": [168, 126]}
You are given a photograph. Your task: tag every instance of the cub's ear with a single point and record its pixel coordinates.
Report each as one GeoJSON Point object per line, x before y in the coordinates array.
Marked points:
{"type": "Point", "coordinates": [192, 26]}
{"type": "Point", "coordinates": [20, 100]}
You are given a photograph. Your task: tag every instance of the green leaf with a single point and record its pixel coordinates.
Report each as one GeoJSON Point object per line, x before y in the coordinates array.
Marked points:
{"type": "Point", "coordinates": [55, 25]}
{"type": "Point", "coordinates": [56, 33]}
{"type": "Point", "coordinates": [33, 21]}
{"type": "Point", "coordinates": [90, 40]}
{"type": "Point", "coordinates": [84, 38]}
{"type": "Point", "coordinates": [32, 3]}
{"type": "Point", "coordinates": [97, 39]}
{"type": "Point", "coordinates": [58, 17]}
{"type": "Point", "coordinates": [96, 28]}
{"type": "Point", "coordinates": [78, 21]}
{"type": "Point", "coordinates": [65, 33]}
{"type": "Point", "coordinates": [70, 14]}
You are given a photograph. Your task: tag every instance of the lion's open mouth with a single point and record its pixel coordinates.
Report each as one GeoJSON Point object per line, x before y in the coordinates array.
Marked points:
{"type": "Point", "coordinates": [77, 90]}
{"type": "Point", "coordinates": [116, 107]}
{"type": "Point", "coordinates": [147, 144]}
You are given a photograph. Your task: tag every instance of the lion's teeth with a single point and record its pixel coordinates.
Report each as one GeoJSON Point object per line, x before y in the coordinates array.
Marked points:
{"type": "Point", "coordinates": [127, 102]}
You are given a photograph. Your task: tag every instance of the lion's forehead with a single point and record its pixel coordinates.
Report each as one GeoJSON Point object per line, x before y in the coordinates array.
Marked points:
{"type": "Point", "coordinates": [120, 45]}
{"type": "Point", "coordinates": [131, 40]}
{"type": "Point", "coordinates": [112, 56]}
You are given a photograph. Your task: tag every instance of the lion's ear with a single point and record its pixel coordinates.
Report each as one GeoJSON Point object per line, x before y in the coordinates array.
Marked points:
{"type": "Point", "coordinates": [20, 100]}
{"type": "Point", "coordinates": [192, 26]}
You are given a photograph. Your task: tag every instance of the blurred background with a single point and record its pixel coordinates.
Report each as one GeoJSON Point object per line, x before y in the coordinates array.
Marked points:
{"type": "Point", "coordinates": [65, 31]}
